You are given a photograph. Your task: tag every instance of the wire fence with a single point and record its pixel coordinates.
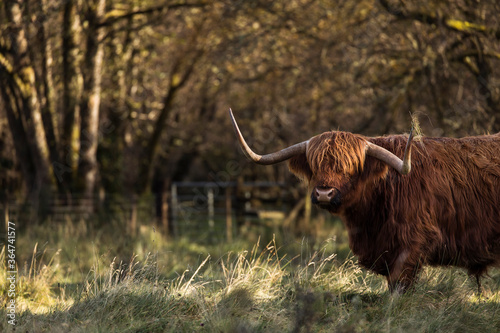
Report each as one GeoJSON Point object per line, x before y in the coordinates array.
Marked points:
{"type": "Point", "coordinates": [224, 207]}
{"type": "Point", "coordinates": [220, 208]}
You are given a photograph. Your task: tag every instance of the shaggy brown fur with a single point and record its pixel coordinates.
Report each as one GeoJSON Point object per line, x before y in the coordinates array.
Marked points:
{"type": "Point", "coordinates": [445, 212]}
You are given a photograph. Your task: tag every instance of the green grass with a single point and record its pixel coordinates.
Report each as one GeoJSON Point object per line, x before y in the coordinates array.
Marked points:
{"type": "Point", "coordinates": [73, 279]}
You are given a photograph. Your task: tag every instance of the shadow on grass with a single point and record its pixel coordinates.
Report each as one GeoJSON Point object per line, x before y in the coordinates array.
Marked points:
{"type": "Point", "coordinates": [123, 308]}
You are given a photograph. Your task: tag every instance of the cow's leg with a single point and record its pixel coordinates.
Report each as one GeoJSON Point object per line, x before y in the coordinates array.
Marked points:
{"type": "Point", "coordinates": [404, 280]}
{"type": "Point", "coordinates": [479, 286]}
{"type": "Point", "coordinates": [403, 273]}
{"type": "Point", "coordinates": [477, 272]}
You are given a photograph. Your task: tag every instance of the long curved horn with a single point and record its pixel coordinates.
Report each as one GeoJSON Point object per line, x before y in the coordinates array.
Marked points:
{"type": "Point", "coordinates": [273, 158]}
{"type": "Point", "coordinates": [402, 166]}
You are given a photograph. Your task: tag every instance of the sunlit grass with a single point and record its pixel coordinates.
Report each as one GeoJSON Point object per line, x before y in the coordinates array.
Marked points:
{"type": "Point", "coordinates": [36, 283]}
{"type": "Point", "coordinates": [154, 284]}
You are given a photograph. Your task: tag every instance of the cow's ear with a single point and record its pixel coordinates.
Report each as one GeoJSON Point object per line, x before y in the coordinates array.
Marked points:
{"type": "Point", "coordinates": [299, 167]}
{"type": "Point", "coordinates": [374, 169]}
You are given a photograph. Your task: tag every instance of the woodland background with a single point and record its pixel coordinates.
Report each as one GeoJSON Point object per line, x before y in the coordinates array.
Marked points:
{"type": "Point", "coordinates": [105, 98]}
{"type": "Point", "coordinates": [105, 101]}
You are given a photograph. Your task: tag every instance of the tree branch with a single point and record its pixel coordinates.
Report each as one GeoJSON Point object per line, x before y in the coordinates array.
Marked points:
{"type": "Point", "coordinates": [452, 24]}
{"type": "Point", "coordinates": [112, 17]}
{"type": "Point", "coordinates": [476, 53]}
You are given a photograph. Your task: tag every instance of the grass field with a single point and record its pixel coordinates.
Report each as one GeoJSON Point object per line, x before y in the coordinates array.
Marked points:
{"type": "Point", "coordinates": [76, 279]}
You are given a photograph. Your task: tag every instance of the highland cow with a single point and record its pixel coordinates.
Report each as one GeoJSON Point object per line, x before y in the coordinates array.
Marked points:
{"type": "Point", "coordinates": [438, 205]}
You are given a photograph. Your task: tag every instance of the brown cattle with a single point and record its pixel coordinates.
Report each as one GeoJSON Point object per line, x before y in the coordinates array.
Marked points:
{"type": "Point", "coordinates": [446, 211]}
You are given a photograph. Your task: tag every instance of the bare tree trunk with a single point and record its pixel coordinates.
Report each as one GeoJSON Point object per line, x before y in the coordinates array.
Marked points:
{"type": "Point", "coordinates": [147, 163]}
{"type": "Point", "coordinates": [113, 151]}
{"type": "Point", "coordinates": [27, 104]}
{"type": "Point", "coordinates": [41, 58]}
{"type": "Point", "coordinates": [91, 98]}
{"type": "Point", "coordinates": [11, 107]}
{"type": "Point", "coordinates": [71, 29]}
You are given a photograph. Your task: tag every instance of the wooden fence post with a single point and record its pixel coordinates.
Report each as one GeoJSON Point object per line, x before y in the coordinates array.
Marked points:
{"type": "Point", "coordinates": [164, 213]}
{"type": "Point", "coordinates": [133, 216]}
{"type": "Point", "coordinates": [211, 209]}
{"type": "Point", "coordinates": [175, 203]}
{"type": "Point", "coordinates": [229, 217]}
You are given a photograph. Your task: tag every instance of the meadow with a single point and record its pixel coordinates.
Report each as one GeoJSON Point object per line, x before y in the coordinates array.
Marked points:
{"type": "Point", "coordinates": [76, 278]}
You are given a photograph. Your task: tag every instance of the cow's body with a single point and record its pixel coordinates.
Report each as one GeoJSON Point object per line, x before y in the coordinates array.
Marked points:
{"type": "Point", "coordinates": [445, 211]}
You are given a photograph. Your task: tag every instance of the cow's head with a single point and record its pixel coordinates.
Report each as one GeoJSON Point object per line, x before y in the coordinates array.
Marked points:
{"type": "Point", "coordinates": [333, 164]}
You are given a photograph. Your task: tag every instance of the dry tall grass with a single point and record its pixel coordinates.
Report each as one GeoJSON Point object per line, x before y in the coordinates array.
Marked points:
{"type": "Point", "coordinates": [178, 286]}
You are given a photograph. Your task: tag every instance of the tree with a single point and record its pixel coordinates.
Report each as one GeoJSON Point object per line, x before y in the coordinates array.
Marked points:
{"type": "Point", "coordinates": [457, 41]}
{"type": "Point", "coordinates": [91, 99]}
{"type": "Point", "coordinates": [21, 101]}
{"type": "Point", "coordinates": [122, 97]}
